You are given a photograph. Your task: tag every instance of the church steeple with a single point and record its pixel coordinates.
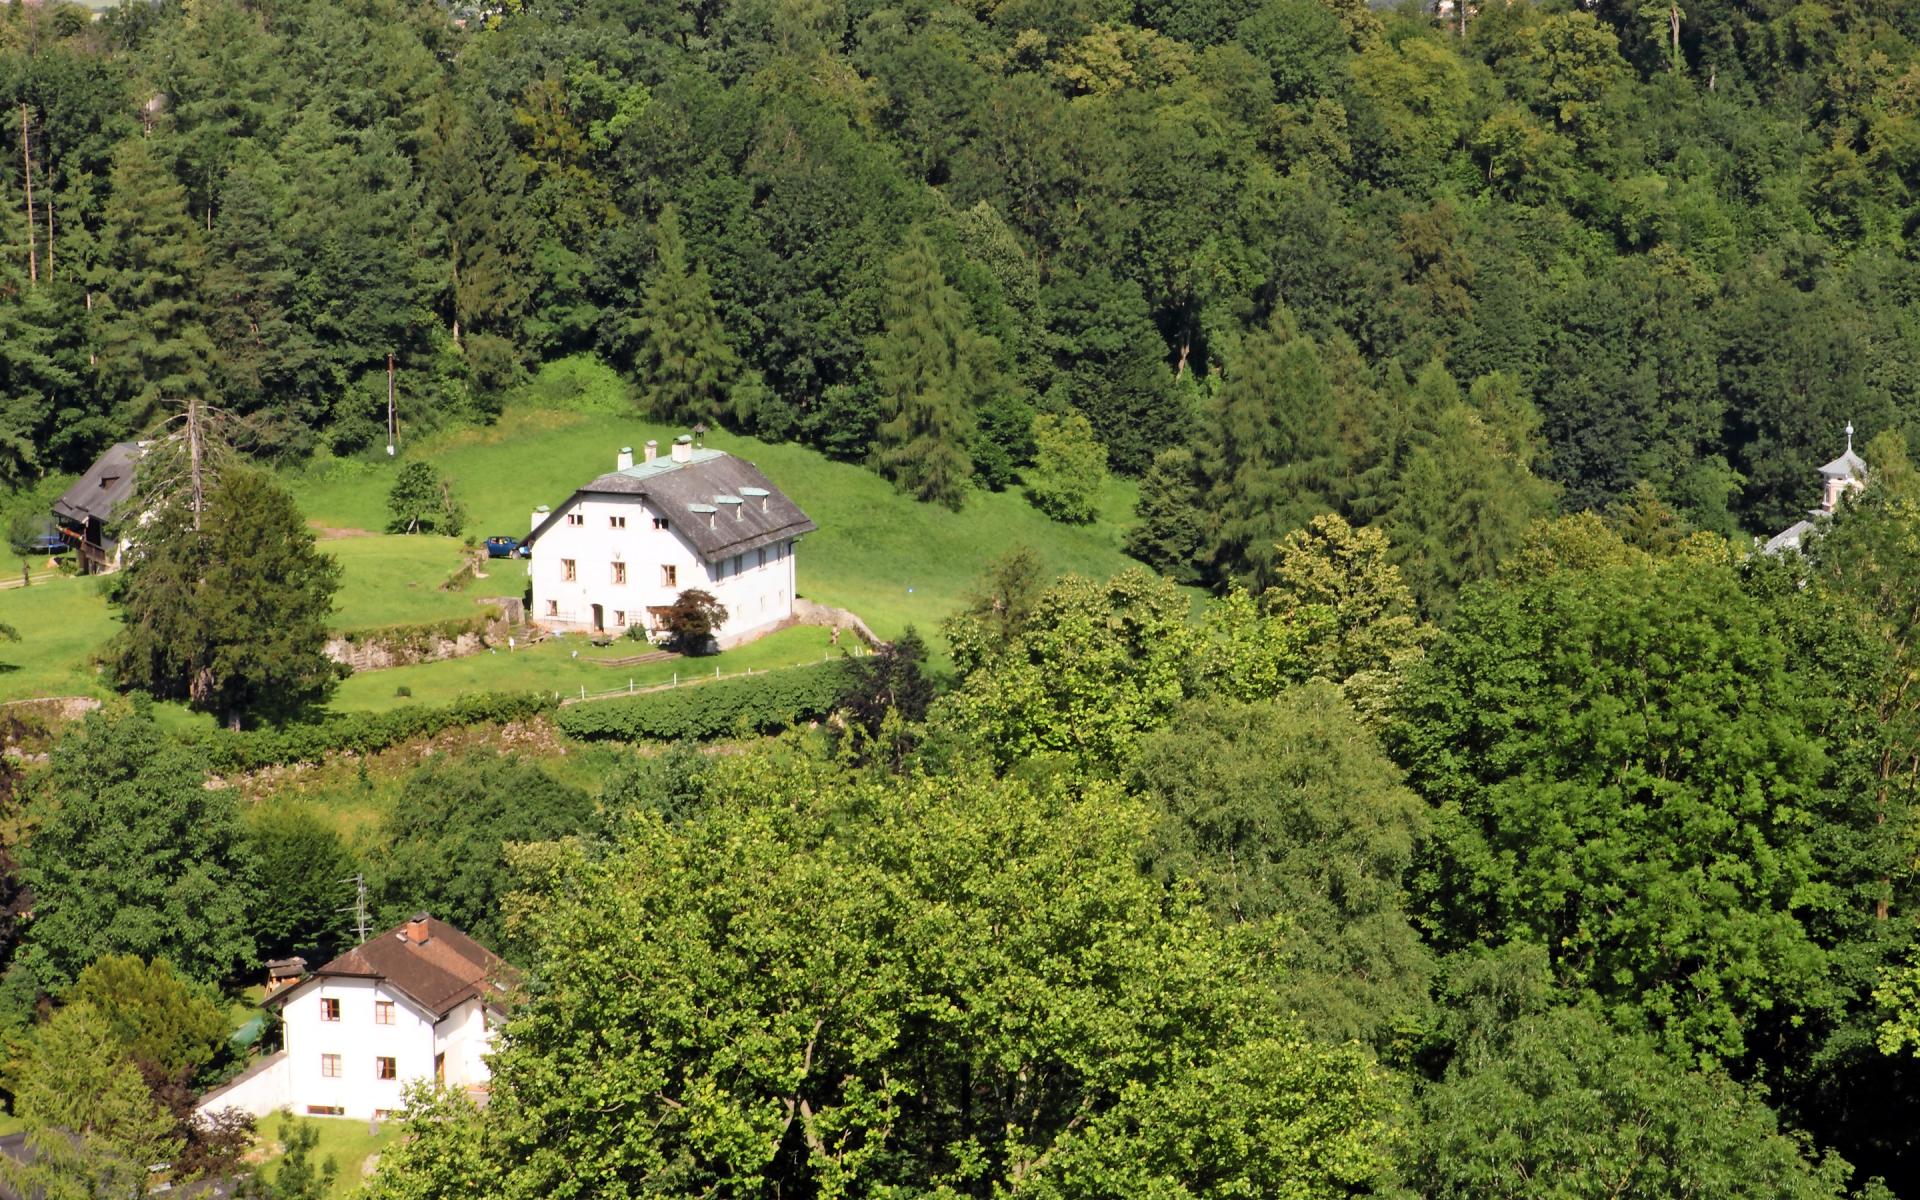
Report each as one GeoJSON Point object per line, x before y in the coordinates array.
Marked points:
{"type": "Point", "coordinates": [1844, 474]}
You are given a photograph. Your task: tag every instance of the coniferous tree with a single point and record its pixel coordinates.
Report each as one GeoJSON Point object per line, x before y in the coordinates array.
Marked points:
{"type": "Point", "coordinates": [930, 369]}
{"type": "Point", "coordinates": [1275, 461]}
{"type": "Point", "coordinates": [685, 363]}
{"type": "Point", "coordinates": [1172, 536]}
{"type": "Point", "coordinates": [91, 1124]}
{"type": "Point", "coordinates": [149, 325]}
{"type": "Point", "coordinates": [32, 378]}
{"type": "Point", "coordinates": [250, 285]}
{"type": "Point", "coordinates": [1459, 508]}
{"type": "Point", "coordinates": [231, 617]}
{"type": "Point", "coordinates": [475, 187]}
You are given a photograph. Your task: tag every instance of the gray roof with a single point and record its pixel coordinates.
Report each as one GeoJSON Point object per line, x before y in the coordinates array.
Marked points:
{"type": "Point", "coordinates": [1788, 538]}
{"type": "Point", "coordinates": [1847, 466]}
{"type": "Point", "coordinates": [107, 485]}
{"type": "Point", "coordinates": [722, 505]}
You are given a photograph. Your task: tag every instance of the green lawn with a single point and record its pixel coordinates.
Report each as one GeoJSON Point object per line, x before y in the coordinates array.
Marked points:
{"type": "Point", "coordinates": [892, 560]}
{"type": "Point", "coordinates": [62, 622]}
{"type": "Point", "coordinates": [346, 1142]}
{"type": "Point", "coordinates": [395, 580]}
{"type": "Point", "coordinates": [566, 665]}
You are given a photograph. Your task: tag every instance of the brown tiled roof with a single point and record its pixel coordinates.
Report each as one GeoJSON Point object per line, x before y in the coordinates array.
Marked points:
{"type": "Point", "coordinates": [436, 974]}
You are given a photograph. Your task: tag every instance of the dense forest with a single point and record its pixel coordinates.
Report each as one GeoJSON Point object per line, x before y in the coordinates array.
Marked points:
{"type": "Point", "coordinates": [1498, 824]}
{"type": "Point", "coordinates": [1565, 255]}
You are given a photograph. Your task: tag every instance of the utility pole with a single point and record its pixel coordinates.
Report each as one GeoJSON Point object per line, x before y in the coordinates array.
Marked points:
{"type": "Point", "coordinates": [393, 426]}
{"type": "Point", "coordinates": [359, 906]}
{"type": "Point", "coordinates": [26, 156]}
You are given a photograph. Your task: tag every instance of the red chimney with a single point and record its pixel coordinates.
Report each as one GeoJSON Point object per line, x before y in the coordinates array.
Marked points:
{"type": "Point", "coordinates": [416, 931]}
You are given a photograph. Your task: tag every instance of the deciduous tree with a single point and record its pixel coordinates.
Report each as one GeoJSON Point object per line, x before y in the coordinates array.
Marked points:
{"type": "Point", "coordinates": [134, 854]}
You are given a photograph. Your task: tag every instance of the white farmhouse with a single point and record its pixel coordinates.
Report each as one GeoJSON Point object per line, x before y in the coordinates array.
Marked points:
{"type": "Point", "coordinates": [421, 1001]}
{"type": "Point", "coordinates": [631, 541]}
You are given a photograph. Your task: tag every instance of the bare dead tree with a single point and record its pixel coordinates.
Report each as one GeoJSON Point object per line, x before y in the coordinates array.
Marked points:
{"type": "Point", "coordinates": [185, 454]}
{"type": "Point", "coordinates": [26, 158]}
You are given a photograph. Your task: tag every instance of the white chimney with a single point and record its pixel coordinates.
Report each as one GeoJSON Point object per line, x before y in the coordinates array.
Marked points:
{"type": "Point", "coordinates": [653, 449]}
{"type": "Point", "coordinates": [625, 460]}
{"type": "Point", "coordinates": [539, 515]}
{"type": "Point", "coordinates": [683, 448]}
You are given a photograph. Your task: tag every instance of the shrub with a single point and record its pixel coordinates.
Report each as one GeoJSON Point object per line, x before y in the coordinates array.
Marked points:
{"type": "Point", "coordinates": [1069, 468]}
{"type": "Point", "coordinates": [758, 703]}
{"type": "Point", "coordinates": [422, 502]}
{"type": "Point", "coordinates": [361, 733]}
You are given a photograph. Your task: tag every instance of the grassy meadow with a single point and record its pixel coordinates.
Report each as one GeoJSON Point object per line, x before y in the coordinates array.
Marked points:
{"type": "Point", "coordinates": [892, 560]}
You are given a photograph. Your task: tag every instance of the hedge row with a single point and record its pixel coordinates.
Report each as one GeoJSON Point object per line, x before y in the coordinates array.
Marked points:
{"type": "Point", "coordinates": [363, 733]}
{"type": "Point", "coordinates": [422, 637]}
{"type": "Point", "coordinates": [756, 703]}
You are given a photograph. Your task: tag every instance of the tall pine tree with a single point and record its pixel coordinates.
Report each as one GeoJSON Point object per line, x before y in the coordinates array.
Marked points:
{"type": "Point", "coordinates": [153, 345]}
{"type": "Point", "coordinates": [250, 285]}
{"type": "Point", "coordinates": [1463, 498]}
{"type": "Point", "coordinates": [930, 369]}
{"type": "Point", "coordinates": [32, 377]}
{"type": "Point", "coordinates": [685, 362]}
{"type": "Point", "coordinates": [476, 188]}
{"type": "Point", "coordinates": [1275, 460]}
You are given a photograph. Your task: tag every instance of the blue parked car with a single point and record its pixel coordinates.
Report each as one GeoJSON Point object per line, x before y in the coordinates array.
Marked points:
{"type": "Point", "coordinates": [505, 547]}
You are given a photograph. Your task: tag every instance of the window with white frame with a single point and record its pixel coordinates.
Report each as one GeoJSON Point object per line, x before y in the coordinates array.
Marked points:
{"type": "Point", "coordinates": [616, 522]}
{"type": "Point", "coordinates": [574, 518]}
{"type": "Point", "coordinates": [383, 1012]}
{"type": "Point", "coordinates": [553, 608]}
{"type": "Point", "coordinates": [620, 616]}
{"type": "Point", "coordinates": [620, 574]}
{"type": "Point", "coordinates": [669, 575]}
{"type": "Point", "coordinates": [659, 522]}
{"type": "Point", "coordinates": [329, 1066]}
{"type": "Point", "coordinates": [329, 1009]}
{"type": "Point", "coordinates": [386, 1068]}
{"type": "Point", "coordinates": [569, 570]}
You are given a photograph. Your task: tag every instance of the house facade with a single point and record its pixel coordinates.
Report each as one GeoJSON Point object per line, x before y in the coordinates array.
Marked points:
{"type": "Point", "coordinates": [627, 544]}
{"type": "Point", "coordinates": [422, 1001]}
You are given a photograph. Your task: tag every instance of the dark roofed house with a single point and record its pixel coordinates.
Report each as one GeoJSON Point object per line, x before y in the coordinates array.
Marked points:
{"type": "Point", "coordinates": [87, 513]}
{"type": "Point", "coordinates": [628, 543]}
{"type": "Point", "coordinates": [421, 1001]}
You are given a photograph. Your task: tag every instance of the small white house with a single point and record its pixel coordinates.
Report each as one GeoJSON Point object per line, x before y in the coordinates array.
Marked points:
{"type": "Point", "coordinates": [628, 543]}
{"type": "Point", "coordinates": [421, 1001]}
